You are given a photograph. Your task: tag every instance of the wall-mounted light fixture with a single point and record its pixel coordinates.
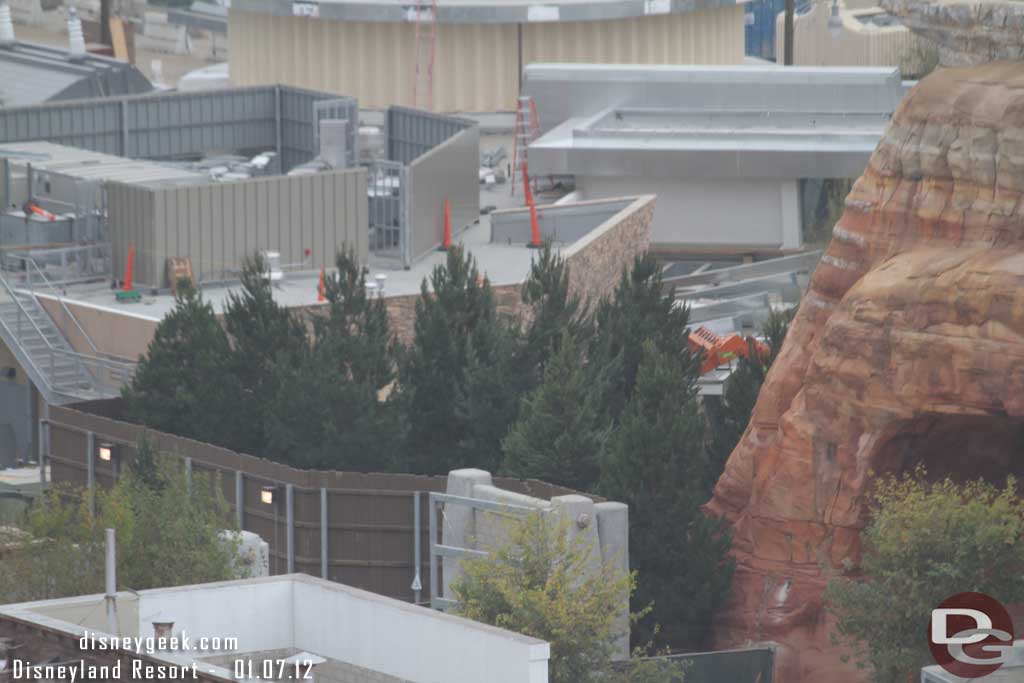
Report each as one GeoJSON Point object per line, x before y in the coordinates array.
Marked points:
{"type": "Point", "coordinates": [267, 494]}
{"type": "Point", "coordinates": [107, 452]}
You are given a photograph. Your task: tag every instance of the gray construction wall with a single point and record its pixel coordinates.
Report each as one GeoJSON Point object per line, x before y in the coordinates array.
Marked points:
{"type": "Point", "coordinates": [731, 213]}
{"type": "Point", "coordinates": [219, 225]}
{"type": "Point", "coordinates": [177, 125]}
{"type": "Point", "coordinates": [556, 222]}
{"type": "Point", "coordinates": [448, 171]}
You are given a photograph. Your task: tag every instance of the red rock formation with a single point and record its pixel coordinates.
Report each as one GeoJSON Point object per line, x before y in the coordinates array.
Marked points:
{"type": "Point", "coordinates": [908, 346]}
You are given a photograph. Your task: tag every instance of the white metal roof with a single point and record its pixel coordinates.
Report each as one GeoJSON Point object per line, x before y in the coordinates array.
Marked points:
{"type": "Point", "coordinates": [81, 163]}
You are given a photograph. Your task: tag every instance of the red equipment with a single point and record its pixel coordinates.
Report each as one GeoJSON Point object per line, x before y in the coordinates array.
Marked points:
{"type": "Point", "coordinates": [31, 207]}
{"type": "Point", "coordinates": [719, 350]}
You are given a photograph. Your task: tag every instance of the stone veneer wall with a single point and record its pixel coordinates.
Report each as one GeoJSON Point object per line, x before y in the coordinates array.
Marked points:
{"type": "Point", "coordinates": [595, 265]}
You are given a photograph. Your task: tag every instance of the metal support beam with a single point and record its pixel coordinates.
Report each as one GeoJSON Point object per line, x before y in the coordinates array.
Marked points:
{"type": "Point", "coordinates": [43, 450]}
{"type": "Point", "coordinates": [277, 129]}
{"type": "Point", "coordinates": [188, 471]}
{"type": "Point", "coordinates": [289, 513]}
{"type": "Point", "coordinates": [90, 469]}
{"type": "Point", "coordinates": [323, 532]}
{"type": "Point", "coordinates": [124, 127]}
{"type": "Point", "coordinates": [240, 499]}
{"type": "Point", "coordinates": [417, 585]}
{"type": "Point", "coordinates": [432, 521]}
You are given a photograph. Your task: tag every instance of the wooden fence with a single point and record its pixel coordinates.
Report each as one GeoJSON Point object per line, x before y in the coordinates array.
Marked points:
{"type": "Point", "coordinates": [365, 522]}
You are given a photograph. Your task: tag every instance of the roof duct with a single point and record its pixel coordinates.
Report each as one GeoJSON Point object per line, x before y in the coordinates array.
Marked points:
{"type": "Point", "coordinates": [6, 25]}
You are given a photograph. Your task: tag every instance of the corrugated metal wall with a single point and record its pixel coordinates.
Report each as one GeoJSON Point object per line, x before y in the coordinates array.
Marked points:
{"type": "Point", "coordinates": [813, 45]}
{"type": "Point", "coordinates": [476, 65]}
{"type": "Point", "coordinates": [219, 225]}
{"type": "Point", "coordinates": [176, 125]}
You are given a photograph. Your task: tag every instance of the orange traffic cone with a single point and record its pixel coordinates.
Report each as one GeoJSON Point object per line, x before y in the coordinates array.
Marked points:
{"type": "Point", "coordinates": [446, 243]}
{"type": "Point", "coordinates": [321, 289]}
{"type": "Point", "coordinates": [127, 293]}
{"type": "Point", "coordinates": [534, 227]}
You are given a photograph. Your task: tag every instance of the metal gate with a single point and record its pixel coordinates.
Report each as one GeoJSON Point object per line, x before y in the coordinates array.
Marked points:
{"type": "Point", "coordinates": [387, 184]}
{"type": "Point", "coordinates": [439, 550]}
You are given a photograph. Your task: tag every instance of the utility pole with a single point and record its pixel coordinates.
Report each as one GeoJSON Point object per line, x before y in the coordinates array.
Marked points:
{"type": "Point", "coordinates": [787, 32]}
{"type": "Point", "coordinates": [105, 37]}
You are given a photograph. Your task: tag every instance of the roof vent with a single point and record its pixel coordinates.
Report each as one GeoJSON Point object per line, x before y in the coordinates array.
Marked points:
{"type": "Point", "coordinates": [76, 39]}
{"type": "Point", "coordinates": [6, 25]}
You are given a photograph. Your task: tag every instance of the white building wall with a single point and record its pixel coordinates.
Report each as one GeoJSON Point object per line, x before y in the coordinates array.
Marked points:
{"type": "Point", "coordinates": [711, 213]}
{"type": "Point", "coordinates": [476, 66]}
{"type": "Point", "coordinates": [411, 643]}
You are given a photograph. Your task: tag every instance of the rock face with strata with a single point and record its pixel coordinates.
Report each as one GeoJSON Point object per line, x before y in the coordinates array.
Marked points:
{"type": "Point", "coordinates": [907, 348]}
{"type": "Point", "coordinates": [967, 32]}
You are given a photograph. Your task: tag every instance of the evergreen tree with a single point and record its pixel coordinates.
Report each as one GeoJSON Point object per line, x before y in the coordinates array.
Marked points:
{"type": "Point", "coordinates": [638, 312]}
{"type": "Point", "coordinates": [261, 331]}
{"type": "Point", "coordinates": [453, 310]}
{"type": "Point", "coordinates": [561, 430]}
{"type": "Point", "coordinates": [487, 401]}
{"type": "Point", "coordinates": [355, 332]}
{"type": "Point", "coordinates": [554, 312]}
{"type": "Point", "coordinates": [184, 384]}
{"type": "Point", "coordinates": [655, 463]}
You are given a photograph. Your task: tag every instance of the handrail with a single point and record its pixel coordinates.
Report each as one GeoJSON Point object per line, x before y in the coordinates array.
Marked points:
{"type": "Point", "coordinates": [83, 359]}
{"type": "Point", "coordinates": [31, 262]}
{"type": "Point", "coordinates": [55, 292]}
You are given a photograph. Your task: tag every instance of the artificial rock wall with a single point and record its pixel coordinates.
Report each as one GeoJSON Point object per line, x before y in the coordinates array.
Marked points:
{"type": "Point", "coordinates": [908, 348]}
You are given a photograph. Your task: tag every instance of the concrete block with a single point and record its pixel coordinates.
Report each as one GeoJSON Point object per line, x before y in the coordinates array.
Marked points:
{"type": "Point", "coordinates": [613, 531]}
{"type": "Point", "coordinates": [458, 527]}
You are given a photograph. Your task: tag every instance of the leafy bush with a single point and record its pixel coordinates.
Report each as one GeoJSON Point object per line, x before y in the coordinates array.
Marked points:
{"type": "Point", "coordinates": [925, 541]}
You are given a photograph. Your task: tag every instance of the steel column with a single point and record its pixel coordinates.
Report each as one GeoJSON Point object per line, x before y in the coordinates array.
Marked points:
{"type": "Point", "coordinates": [432, 521]}
{"type": "Point", "coordinates": [323, 532]}
{"type": "Point", "coordinates": [417, 585]}
{"type": "Point", "coordinates": [289, 512]}
{"type": "Point", "coordinates": [240, 499]}
{"type": "Point", "coordinates": [90, 469]}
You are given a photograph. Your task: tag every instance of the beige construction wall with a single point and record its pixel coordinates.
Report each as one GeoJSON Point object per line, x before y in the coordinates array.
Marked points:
{"type": "Point", "coordinates": [476, 65]}
{"type": "Point", "coordinates": [217, 226]}
{"type": "Point", "coordinates": [814, 45]}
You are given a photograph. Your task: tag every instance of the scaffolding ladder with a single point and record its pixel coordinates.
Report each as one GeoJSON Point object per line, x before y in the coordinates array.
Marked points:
{"type": "Point", "coordinates": [526, 129]}
{"type": "Point", "coordinates": [423, 54]}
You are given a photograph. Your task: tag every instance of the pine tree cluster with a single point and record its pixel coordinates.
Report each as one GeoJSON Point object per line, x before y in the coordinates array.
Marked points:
{"type": "Point", "coordinates": [599, 400]}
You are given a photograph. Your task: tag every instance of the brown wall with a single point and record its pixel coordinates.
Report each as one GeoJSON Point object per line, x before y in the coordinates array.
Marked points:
{"type": "Point", "coordinates": [113, 332]}
{"type": "Point", "coordinates": [370, 516]}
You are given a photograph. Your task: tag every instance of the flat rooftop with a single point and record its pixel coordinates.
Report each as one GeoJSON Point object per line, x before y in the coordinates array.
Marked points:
{"type": "Point", "coordinates": [502, 263]}
{"type": "Point", "coordinates": [729, 143]}
{"type": "Point", "coordinates": [483, 11]}
{"type": "Point", "coordinates": [353, 634]}
{"type": "Point", "coordinates": [87, 165]}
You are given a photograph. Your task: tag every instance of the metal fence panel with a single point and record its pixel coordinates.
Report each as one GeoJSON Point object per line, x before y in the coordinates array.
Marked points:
{"type": "Point", "coordinates": [179, 125]}
{"type": "Point", "coordinates": [446, 172]}
{"type": "Point", "coordinates": [412, 133]}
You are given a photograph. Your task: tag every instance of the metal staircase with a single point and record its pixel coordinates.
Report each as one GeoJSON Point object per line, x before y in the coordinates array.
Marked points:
{"type": "Point", "coordinates": [61, 374]}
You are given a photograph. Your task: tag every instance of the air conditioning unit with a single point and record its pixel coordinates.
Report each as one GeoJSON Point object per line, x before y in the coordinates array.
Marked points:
{"type": "Point", "coordinates": [273, 261]}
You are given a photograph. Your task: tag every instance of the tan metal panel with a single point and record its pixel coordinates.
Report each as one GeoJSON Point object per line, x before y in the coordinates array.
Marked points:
{"type": "Point", "coordinates": [476, 65]}
{"type": "Point", "coordinates": [814, 45]}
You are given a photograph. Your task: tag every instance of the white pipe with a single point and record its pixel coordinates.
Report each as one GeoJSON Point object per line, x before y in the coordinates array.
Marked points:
{"type": "Point", "coordinates": [111, 583]}
{"type": "Point", "coordinates": [76, 39]}
{"type": "Point", "coordinates": [6, 25]}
